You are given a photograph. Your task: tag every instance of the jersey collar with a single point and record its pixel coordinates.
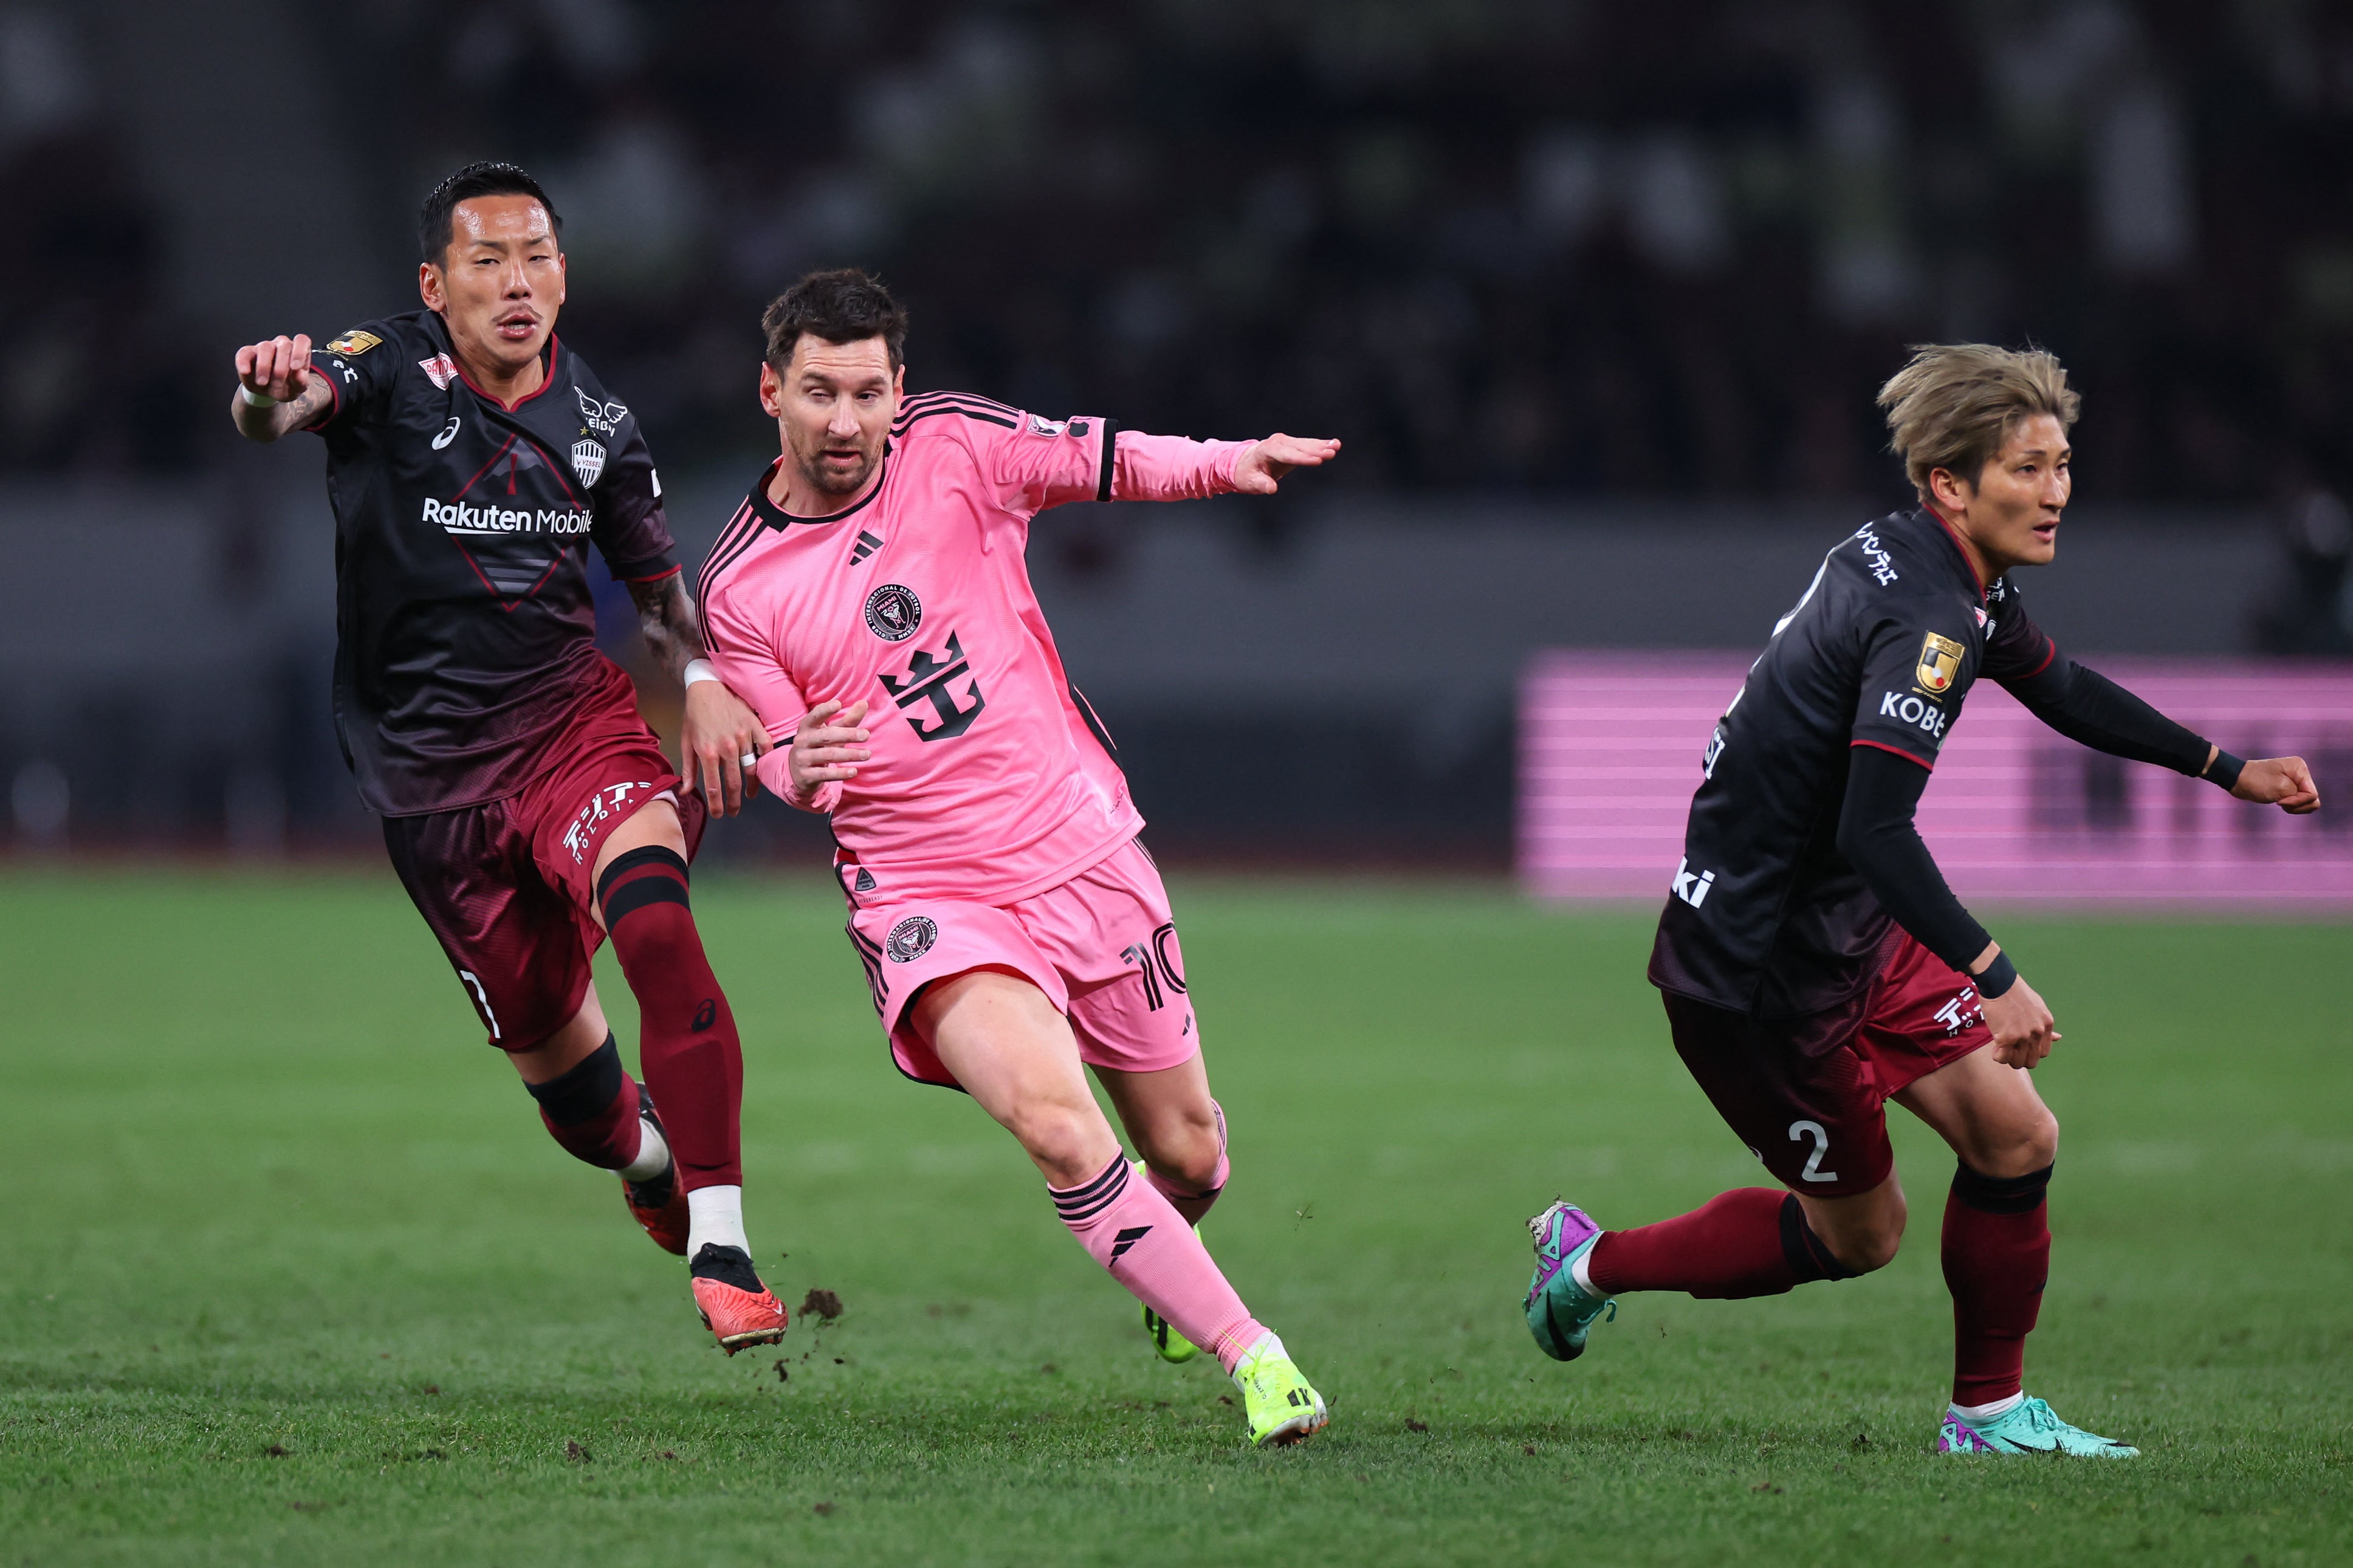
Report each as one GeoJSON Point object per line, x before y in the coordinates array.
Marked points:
{"type": "Point", "coordinates": [546, 378]}
{"type": "Point", "coordinates": [1953, 537]}
{"type": "Point", "coordinates": [773, 516]}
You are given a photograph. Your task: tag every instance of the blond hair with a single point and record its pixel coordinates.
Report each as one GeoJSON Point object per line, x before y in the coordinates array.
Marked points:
{"type": "Point", "coordinates": [1954, 405]}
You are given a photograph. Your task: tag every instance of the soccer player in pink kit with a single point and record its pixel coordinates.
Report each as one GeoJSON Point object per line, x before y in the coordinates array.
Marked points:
{"type": "Point", "coordinates": [1011, 925]}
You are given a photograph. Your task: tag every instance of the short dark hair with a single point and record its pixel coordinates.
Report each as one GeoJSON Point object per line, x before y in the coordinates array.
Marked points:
{"type": "Point", "coordinates": [846, 305]}
{"type": "Point", "coordinates": [436, 221]}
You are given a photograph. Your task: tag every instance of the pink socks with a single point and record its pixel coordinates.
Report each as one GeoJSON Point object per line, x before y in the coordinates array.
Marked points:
{"type": "Point", "coordinates": [1131, 1229]}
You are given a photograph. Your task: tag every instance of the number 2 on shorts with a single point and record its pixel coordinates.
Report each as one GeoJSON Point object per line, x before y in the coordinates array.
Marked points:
{"type": "Point", "coordinates": [1815, 1130]}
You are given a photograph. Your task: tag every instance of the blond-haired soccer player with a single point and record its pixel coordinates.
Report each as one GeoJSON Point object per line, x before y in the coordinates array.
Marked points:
{"type": "Point", "coordinates": [1814, 963]}
{"type": "Point", "coordinates": [871, 600]}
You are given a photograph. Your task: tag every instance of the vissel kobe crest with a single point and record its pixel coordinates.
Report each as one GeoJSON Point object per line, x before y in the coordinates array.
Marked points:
{"type": "Point", "coordinates": [587, 459]}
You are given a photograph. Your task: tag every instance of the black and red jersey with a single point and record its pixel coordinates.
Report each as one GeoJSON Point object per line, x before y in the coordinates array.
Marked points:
{"type": "Point", "coordinates": [464, 618]}
{"type": "Point", "coordinates": [1764, 914]}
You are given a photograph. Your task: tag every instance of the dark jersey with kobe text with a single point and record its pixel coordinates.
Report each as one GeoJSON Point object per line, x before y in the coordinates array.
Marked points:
{"type": "Point", "coordinates": [464, 619]}
{"type": "Point", "coordinates": [1765, 915]}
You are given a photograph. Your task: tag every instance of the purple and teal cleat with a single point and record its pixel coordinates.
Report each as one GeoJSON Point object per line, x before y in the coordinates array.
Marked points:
{"type": "Point", "coordinates": [2027, 1427]}
{"type": "Point", "coordinates": [1560, 1312]}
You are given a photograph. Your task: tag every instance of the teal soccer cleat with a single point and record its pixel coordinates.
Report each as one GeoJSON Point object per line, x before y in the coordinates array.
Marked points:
{"type": "Point", "coordinates": [2028, 1427]}
{"type": "Point", "coordinates": [1559, 1310]}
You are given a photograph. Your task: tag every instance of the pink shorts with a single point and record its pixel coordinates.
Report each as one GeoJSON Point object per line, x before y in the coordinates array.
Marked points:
{"type": "Point", "coordinates": [1103, 946]}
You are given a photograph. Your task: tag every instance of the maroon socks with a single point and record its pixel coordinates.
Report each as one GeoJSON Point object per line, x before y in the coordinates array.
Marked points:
{"type": "Point", "coordinates": [1997, 1257]}
{"type": "Point", "coordinates": [687, 1044]}
{"type": "Point", "coordinates": [1756, 1242]}
{"type": "Point", "coordinates": [592, 1109]}
{"type": "Point", "coordinates": [1751, 1241]}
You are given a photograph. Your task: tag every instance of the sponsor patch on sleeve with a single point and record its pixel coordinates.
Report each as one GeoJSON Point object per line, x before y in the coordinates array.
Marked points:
{"type": "Point", "coordinates": [354, 342]}
{"type": "Point", "coordinates": [1940, 660]}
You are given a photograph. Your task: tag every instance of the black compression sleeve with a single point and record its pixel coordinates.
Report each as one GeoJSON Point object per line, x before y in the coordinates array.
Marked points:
{"type": "Point", "coordinates": [1876, 836]}
{"type": "Point", "coordinates": [2085, 705]}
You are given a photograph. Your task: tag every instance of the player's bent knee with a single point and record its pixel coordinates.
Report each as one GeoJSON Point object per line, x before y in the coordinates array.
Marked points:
{"type": "Point", "coordinates": [2028, 1144]}
{"type": "Point", "coordinates": [1872, 1250]}
{"type": "Point", "coordinates": [1060, 1136]}
{"type": "Point", "coordinates": [1868, 1241]}
{"type": "Point", "coordinates": [1187, 1155]}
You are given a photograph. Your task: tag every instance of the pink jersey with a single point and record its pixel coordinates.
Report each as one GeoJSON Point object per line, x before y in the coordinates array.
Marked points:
{"type": "Point", "coordinates": [991, 779]}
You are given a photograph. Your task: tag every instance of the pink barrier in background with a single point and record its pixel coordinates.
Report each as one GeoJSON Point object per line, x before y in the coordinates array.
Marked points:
{"type": "Point", "coordinates": [1610, 754]}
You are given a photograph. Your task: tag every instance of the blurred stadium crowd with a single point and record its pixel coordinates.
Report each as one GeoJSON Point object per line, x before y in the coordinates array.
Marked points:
{"type": "Point", "coordinates": [1533, 244]}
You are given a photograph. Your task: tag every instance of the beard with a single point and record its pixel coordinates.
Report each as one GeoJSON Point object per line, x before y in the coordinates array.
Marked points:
{"type": "Point", "coordinates": [835, 479]}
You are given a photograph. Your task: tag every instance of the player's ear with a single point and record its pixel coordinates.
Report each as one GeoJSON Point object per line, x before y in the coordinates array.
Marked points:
{"type": "Point", "coordinates": [899, 383]}
{"type": "Point", "coordinates": [771, 391]}
{"type": "Point", "coordinates": [429, 287]}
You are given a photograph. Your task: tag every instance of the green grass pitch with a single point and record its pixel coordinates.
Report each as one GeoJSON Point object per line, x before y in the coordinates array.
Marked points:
{"type": "Point", "coordinates": [289, 1273]}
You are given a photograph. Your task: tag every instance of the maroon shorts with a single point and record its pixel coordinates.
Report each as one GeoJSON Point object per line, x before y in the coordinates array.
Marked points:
{"type": "Point", "coordinates": [1807, 1094]}
{"type": "Point", "coordinates": [507, 886]}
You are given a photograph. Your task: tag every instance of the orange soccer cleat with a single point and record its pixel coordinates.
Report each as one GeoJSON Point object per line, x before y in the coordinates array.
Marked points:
{"type": "Point", "coordinates": [659, 1203]}
{"type": "Point", "coordinates": [732, 1302]}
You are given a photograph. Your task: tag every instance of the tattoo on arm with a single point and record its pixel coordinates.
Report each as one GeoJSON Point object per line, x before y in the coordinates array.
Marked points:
{"type": "Point", "coordinates": [281, 419]}
{"type": "Point", "coordinates": [666, 620]}
{"type": "Point", "coordinates": [315, 400]}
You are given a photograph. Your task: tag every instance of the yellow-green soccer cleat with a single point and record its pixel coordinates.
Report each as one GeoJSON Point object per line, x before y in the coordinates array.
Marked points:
{"type": "Point", "coordinates": [1281, 1406]}
{"type": "Point", "coordinates": [1172, 1345]}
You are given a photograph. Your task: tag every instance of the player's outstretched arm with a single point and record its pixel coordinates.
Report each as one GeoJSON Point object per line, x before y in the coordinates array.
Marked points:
{"type": "Point", "coordinates": [1259, 469]}
{"type": "Point", "coordinates": [277, 390]}
{"type": "Point", "coordinates": [720, 737]}
{"type": "Point", "coordinates": [2087, 707]}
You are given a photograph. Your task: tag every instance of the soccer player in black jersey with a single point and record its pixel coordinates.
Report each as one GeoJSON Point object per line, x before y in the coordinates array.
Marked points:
{"type": "Point", "coordinates": [1813, 961]}
{"type": "Point", "coordinates": [528, 809]}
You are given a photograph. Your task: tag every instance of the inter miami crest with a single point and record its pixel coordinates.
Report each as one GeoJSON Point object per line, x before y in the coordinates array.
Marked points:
{"type": "Point", "coordinates": [911, 939]}
{"type": "Point", "coordinates": [1940, 660]}
{"type": "Point", "coordinates": [892, 612]}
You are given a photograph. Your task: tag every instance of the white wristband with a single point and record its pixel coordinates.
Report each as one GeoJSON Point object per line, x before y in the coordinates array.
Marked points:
{"type": "Point", "coordinates": [700, 669]}
{"type": "Point", "coordinates": [258, 399]}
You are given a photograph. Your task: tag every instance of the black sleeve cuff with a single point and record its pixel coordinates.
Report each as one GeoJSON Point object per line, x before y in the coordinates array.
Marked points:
{"type": "Point", "coordinates": [2224, 770]}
